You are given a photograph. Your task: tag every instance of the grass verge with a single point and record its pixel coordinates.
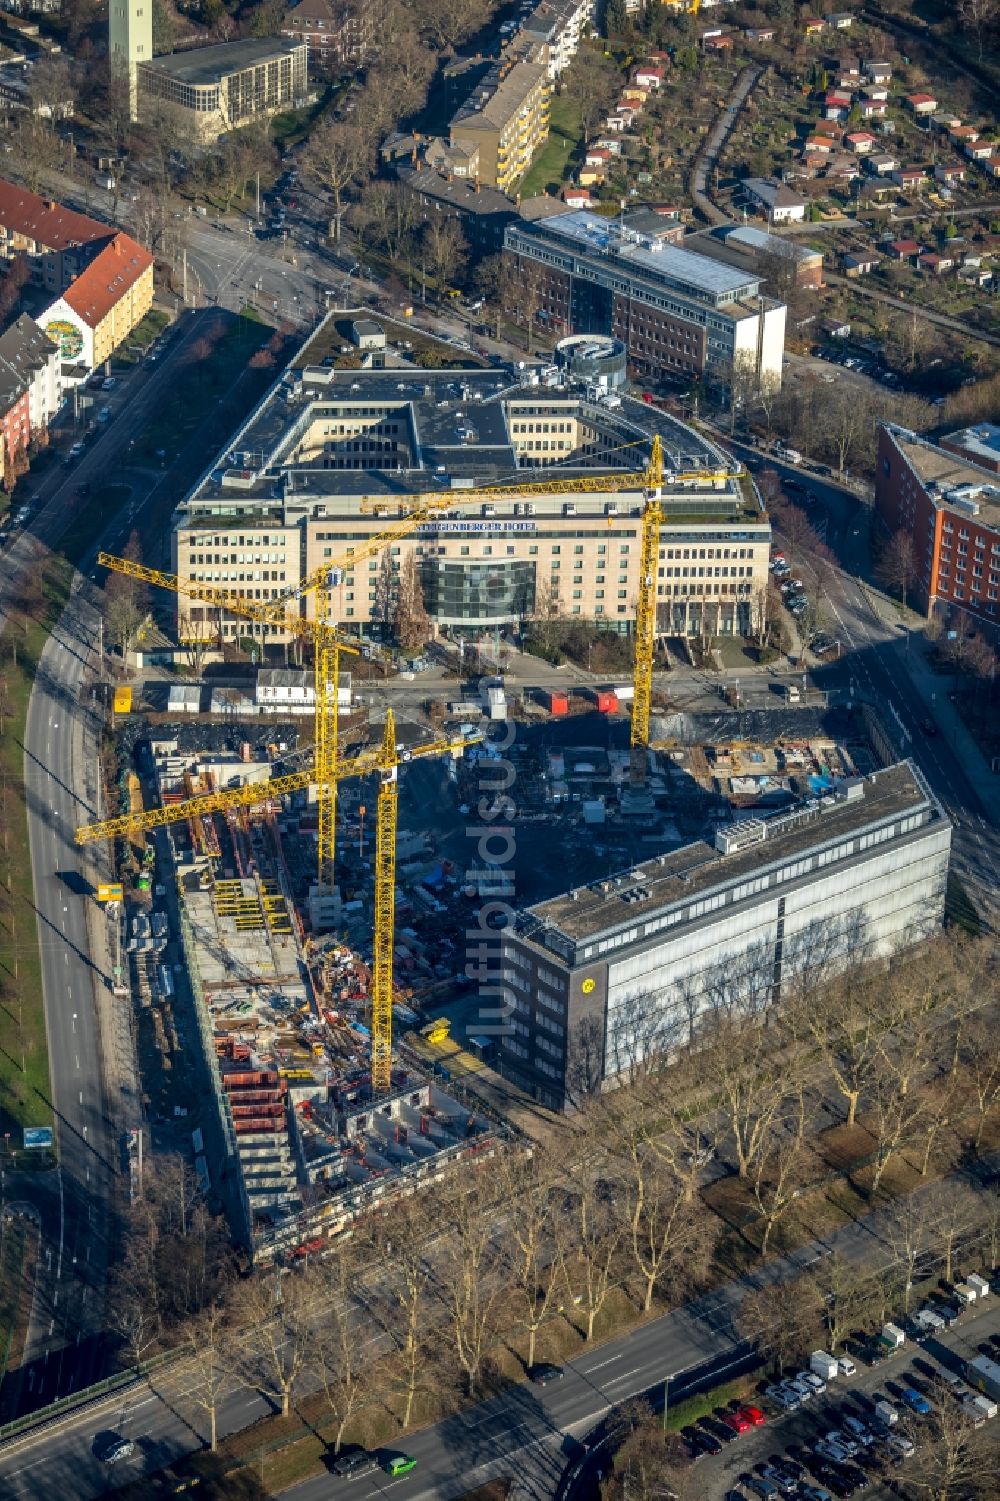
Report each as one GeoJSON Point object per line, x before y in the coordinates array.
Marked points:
{"type": "Point", "coordinates": [679, 1414]}
{"type": "Point", "coordinates": [25, 1098]}
{"type": "Point", "coordinates": [18, 1249]}
{"type": "Point", "coordinates": [551, 166]}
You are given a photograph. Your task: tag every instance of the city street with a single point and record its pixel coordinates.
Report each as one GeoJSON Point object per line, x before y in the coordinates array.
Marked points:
{"type": "Point", "coordinates": [526, 1430]}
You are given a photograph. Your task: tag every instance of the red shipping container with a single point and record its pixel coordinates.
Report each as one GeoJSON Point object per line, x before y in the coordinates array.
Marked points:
{"type": "Point", "coordinates": [607, 703]}
{"type": "Point", "coordinates": [557, 703]}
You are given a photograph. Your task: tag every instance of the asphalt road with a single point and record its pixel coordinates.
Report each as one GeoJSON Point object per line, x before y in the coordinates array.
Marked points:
{"type": "Point", "coordinates": [883, 664]}
{"type": "Point", "coordinates": [528, 1430]}
{"type": "Point", "coordinates": [87, 1032]}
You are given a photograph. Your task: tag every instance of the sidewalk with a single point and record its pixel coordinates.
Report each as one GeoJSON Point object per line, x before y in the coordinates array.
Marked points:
{"type": "Point", "coordinates": [934, 689]}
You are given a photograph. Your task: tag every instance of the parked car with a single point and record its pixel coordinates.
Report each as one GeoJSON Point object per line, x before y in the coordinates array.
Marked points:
{"type": "Point", "coordinates": [109, 383]}
{"type": "Point", "coordinates": [816, 1382]}
{"type": "Point", "coordinates": [765, 1489]}
{"type": "Point", "coordinates": [786, 1485]}
{"type": "Point", "coordinates": [718, 1430]}
{"type": "Point", "coordinates": [846, 1366]}
{"type": "Point", "coordinates": [699, 1443]}
{"type": "Point", "coordinates": [915, 1401]}
{"type": "Point", "coordinates": [544, 1372]}
{"type": "Point", "coordinates": [738, 1422]}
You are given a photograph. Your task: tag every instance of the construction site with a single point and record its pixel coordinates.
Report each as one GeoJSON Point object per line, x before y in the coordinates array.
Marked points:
{"type": "Point", "coordinates": [317, 884]}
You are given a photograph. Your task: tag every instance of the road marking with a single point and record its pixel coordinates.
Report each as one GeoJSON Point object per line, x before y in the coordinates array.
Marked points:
{"type": "Point", "coordinates": [610, 1361]}
{"type": "Point", "coordinates": [624, 1377]}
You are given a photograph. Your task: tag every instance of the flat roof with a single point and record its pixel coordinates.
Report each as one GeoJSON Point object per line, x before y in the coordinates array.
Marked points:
{"type": "Point", "coordinates": [942, 472]}
{"type": "Point", "coordinates": [685, 268]}
{"type": "Point", "coordinates": [207, 65]}
{"type": "Point", "coordinates": [457, 422]}
{"type": "Point", "coordinates": [982, 438]}
{"type": "Point", "coordinates": [591, 911]}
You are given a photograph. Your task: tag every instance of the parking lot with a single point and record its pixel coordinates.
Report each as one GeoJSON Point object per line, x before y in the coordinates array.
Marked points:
{"type": "Point", "coordinates": [719, 1473]}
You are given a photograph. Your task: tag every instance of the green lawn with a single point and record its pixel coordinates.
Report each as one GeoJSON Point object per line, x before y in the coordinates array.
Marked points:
{"type": "Point", "coordinates": [24, 1060]}
{"type": "Point", "coordinates": [552, 166]}
{"type": "Point", "coordinates": [144, 334]}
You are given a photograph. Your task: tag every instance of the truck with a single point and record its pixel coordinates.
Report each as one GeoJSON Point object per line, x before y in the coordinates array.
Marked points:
{"type": "Point", "coordinates": [494, 699]}
{"type": "Point", "coordinates": [824, 1365]}
{"type": "Point", "coordinates": [893, 1335]}
{"type": "Point", "coordinates": [984, 1375]}
{"type": "Point", "coordinates": [979, 1283]}
{"type": "Point", "coordinates": [793, 693]}
{"type": "Point", "coordinates": [965, 1293]}
{"type": "Point", "coordinates": [790, 455]}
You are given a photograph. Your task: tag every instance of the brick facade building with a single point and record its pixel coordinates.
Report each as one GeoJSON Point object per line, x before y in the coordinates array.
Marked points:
{"type": "Point", "coordinates": [950, 508]}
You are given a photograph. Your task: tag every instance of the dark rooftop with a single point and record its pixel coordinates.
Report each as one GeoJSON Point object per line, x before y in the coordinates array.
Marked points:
{"type": "Point", "coordinates": [207, 65]}
{"type": "Point", "coordinates": [682, 874]}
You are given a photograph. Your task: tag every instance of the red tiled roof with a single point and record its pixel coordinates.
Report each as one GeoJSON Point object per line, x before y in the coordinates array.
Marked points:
{"type": "Point", "coordinates": [47, 223]}
{"type": "Point", "coordinates": [106, 280]}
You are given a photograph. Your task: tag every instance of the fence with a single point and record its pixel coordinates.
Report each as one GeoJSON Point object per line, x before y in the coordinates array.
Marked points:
{"type": "Point", "coordinates": [122, 1381]}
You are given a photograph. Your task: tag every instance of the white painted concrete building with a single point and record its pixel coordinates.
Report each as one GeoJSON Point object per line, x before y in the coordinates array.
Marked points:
{"type": "Point", "coordinates": [640, 958]}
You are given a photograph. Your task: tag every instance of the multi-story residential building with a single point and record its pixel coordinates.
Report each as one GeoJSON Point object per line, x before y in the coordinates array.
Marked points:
{"type": "Point", "coordinates": [55, 242]}
{"type": "Point", "coordinates": [130, 42]}
{"type": "Point", "coordinates": [28, 355]}
{"type": "Point", "coordinates": [219, 88]}
{"type": "Point", "coordinates": [102, 306]}
{"type": "Point", "coordinates": [678, 313]}
{"type": "Point", "coordinates": [950, 508]}
{"type": "Point", "coordinates": [339, 33]}
{"type": "Point", "coordinates": [506, 117]}
{"type": "Point", "coordinates": [635, 961]}
{"type": "Point", "coordinates": [560, 24]}
{"type": "Point", "coordinates": [320, 442]}
{"type": "Point", "coordinates": [15, 419]}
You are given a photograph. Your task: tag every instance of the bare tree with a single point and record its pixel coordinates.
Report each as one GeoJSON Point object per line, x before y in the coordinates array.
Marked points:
{"type": "Point", "coordinates": [273, 1337]}
{"type": "Point", "coordinates": [411, 622]}
{"type": "Point", "coordinates": [474, 1278]}
{"type": "Point", "coordinates": [207, 1369]}
{"type": "Point", "coordinates": [952, 1211]}
{"type": "Point", "coordinates": [954, 1461]}
{"type": "Point", "coordinates": [337, 1354]}
{"type": "Point", "coordinates": [981, 1070]}
{"type": "Point", "coordinates": [339, 152]}
{"type": "Point", "coordinates": [446, 250]}
{"type": "Point", "coordinates": [594, 1246]}
{"type": "Point", "coordinates": [781, 1327]}
{"type": "Point", "coordinates": [534, 1244]}
{"type": "Point", "coordinates": [777, 1176]}
{"type": "Point", "coordinates": [592, 82]}
{"type": "Point", "coordinates": [400, 1242]}
{"type": "Point", "coordinates": [897, 566]}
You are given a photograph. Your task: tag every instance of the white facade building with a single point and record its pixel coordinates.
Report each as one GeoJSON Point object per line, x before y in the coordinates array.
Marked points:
{"type": "Point", "coordinates": [130, 42]}
{"type": "Point", "coordinates": [644, 956]}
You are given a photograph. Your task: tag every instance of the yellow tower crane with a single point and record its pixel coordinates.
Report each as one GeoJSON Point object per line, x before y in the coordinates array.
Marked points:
{"type": "Point", "coordinates": [385, 761]}
{"type": "Point", "coordinates": [329, 643]}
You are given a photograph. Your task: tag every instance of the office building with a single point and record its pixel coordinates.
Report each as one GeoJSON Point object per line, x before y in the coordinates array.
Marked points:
{"type": "Point", "coordinates": [216, 89]}
{"type": "Point", "coordinates": [950, 508]}
{"type": "Point", "coordinates": [505, 119]}
{"type": "Point", "coordinates": [130, 43]}
{"type": "Point", "coordinates": [284, 498]}
{"type": "Point", "coordinates": [640, 958]}
{"type": "Point", "coordinates": [678, 313]}
{"type": "Point", "coordinates": [560, 25]}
